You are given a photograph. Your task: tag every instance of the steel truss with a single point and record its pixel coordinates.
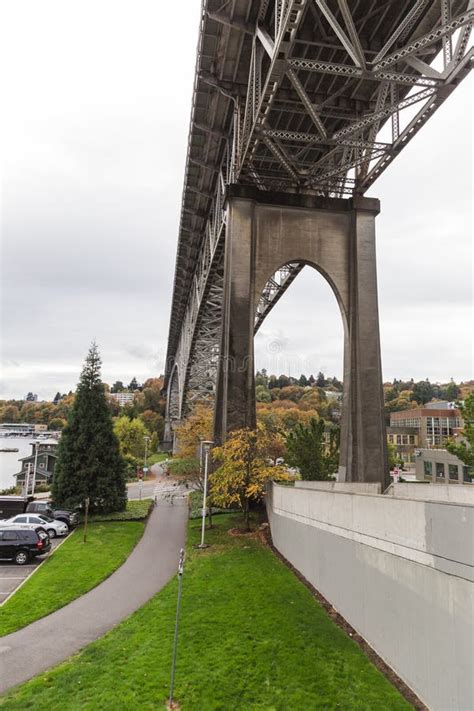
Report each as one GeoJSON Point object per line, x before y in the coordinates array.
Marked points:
{"type": "Point", "coordinates": [291, 95]}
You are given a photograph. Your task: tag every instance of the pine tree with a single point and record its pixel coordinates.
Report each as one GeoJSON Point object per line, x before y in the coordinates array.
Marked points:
{"type": "Point", "coordinates": [89, 462]}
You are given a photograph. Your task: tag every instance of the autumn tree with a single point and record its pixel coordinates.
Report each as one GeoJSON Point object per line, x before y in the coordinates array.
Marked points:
{"type": "Point", "coordinates": [243, 469]}
{"type": "Point", "coordinates": [307, 450]}
{"type": "Point", "coordinates": [193, 430]}
{"type": "Point", "coordinates": [57, 423]}
{"type": "Point", "coordinates": [89, 463]}
{"type": "Point", "coordinates": [11, 413]}
{"type": "Point", "coordinates": [131, 436]}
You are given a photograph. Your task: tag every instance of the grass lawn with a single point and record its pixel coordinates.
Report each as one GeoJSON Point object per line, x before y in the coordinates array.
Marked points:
{"type": "Point", "coordinates": [251, 637]}
{"type": "Point", "coordinates": [71, 571]}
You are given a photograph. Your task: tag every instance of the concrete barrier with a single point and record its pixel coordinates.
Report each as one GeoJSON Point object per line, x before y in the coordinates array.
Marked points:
{"type": "Point", "coordinates": [457, 493]}
{"type": "Point", "coordinates": [347, 486]}
{"type": "Point", "coordinates": [399, 570]}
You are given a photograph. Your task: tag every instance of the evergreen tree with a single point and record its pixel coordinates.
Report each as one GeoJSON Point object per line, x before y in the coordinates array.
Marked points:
{"type": "Point", "coordinates": [57, 398]}
{"type": "Point", "coordinates": [422, 392]}
{"type": "Point", "coordinates": [464, 448]}
{"type": "Point", "coordinates": [321, 380]}
{"type": "Point", "coordinates": [133, 385]}
{"type": "Point", "coordinates": [303, 381]}
{"type": "Point", "coordinates": [89, 462]}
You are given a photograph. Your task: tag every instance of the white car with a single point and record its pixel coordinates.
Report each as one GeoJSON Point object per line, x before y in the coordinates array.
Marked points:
{"type": "Point", "coordinates": [52, 527]}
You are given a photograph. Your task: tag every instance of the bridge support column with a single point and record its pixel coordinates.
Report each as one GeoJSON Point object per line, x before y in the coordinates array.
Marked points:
{"type": "Point", "coordinates": [337, 237]}
{"type": "Point", "coordinates": [363, 455]}
{"type": "Point", "coordinates": [235, 393]}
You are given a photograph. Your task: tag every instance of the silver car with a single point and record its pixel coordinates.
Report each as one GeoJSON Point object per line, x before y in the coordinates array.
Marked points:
{"type": "Point", "coordinates": [52, 527]}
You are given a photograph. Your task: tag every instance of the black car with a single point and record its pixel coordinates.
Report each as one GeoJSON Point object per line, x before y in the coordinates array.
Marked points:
{"type": "Point", "coordinates": [70, 518]}
{"type": "Point", "coordinates": [21, 544]}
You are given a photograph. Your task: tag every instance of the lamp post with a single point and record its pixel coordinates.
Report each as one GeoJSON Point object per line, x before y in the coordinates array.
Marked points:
{"type": "Point", "coordinates": [206, 447]}
{"type": "Point", "coordinates": [37, 444]}
{"type": "Point", "coordinates": [145, 468]}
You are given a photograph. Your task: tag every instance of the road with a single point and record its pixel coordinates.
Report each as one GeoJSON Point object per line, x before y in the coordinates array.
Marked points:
{"type": "Point", "coordinates": [158, 486]}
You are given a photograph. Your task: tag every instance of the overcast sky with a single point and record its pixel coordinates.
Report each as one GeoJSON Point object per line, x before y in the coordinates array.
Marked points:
{"type": "Point", "coordinates": [96, 101]}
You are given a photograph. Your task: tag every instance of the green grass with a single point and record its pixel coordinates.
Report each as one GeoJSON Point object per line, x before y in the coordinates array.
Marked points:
{"type": "Point", "coordinates": [251, 637]}
{"type": "Point", "coordinates": [71, 571]}
{"type": "Point", "coordinates": [136, 511]}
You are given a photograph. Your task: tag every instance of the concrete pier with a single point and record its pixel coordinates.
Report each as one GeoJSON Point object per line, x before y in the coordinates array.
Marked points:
{"type": "Point", "coordinates": [267, 230]}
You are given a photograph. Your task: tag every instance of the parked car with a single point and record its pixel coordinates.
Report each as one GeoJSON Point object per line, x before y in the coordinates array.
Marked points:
{"type": "Point", "coordinates": [47, 508]}
{"type": "Point", "coordinates": [53, 528]}
{"type": "Point", "coordinates": [21, 545]}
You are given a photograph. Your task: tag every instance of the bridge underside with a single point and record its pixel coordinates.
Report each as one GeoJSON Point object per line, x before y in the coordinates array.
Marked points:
{"type": "Point", "coordinates": [297, 98]}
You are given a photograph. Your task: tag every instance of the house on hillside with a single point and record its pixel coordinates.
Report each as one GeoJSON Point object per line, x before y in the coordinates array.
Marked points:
{"type": "Point", "coordinates": [47, 456]}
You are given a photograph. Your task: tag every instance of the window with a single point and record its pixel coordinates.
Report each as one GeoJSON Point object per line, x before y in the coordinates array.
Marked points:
{"type": "Point", "coordinates": [35, 519]}
{"type": "Point", "coordinates": [453, 471]}
{"type": "Point", "coordinates": [466, 475]}
{"type": "Point", "coordinates": [439, 470]}
{"type": "Point", "coordinates": [10, 536]}
{"type": "Point", "coordinates": [428, 468]}
{"type": "Point", "coordinates": [21, 519]}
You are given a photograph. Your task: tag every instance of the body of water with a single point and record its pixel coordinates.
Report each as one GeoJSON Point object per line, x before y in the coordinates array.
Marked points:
{"type": "Point", "coordinates": [9, 464]}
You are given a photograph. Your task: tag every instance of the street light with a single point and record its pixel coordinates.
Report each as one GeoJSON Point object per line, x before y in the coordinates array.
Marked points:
{"type": "Point", "coordinates": [37, 444]}
{"type": "Point", "coordinates": [206, 447]}
{"type": "Point", "coordinates": [147, 439]}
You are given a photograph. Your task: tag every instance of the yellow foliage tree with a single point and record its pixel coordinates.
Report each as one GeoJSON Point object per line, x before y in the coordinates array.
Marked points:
{"type": "Point", "coordinates": [195, 428]}
{"type": "Point", "coordinates": [244, 469]}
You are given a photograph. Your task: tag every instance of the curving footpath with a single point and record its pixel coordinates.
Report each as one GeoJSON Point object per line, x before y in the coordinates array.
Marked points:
{"type": "Point", "coordinates": [51, 640]}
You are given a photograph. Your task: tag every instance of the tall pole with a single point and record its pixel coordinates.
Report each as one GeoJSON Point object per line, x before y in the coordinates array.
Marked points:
{"type": "Point", "coordinates": [145, 468]}
{"type": "Point", "coordinates": [36, 464]}
{"type": "Point", "coordinates": [207, 447]}
{"type": "Point", "coordinates": [176, 625]}
{"type": "Point", "coordinates": [27, 479]}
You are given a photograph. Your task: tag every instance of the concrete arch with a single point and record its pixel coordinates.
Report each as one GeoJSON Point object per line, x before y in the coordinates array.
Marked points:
{"type": "Point", "coordinates": [336, 237]}
{"type": "Point", "coordinates": [325, 276]}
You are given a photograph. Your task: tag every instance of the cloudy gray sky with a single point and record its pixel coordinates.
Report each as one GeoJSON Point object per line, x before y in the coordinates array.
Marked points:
{"type": "Point", "coordinates": [96, 103]}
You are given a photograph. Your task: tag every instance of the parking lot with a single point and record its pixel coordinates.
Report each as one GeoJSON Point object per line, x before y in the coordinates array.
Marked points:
{"type": "Point", "coordinates": [12, 575]}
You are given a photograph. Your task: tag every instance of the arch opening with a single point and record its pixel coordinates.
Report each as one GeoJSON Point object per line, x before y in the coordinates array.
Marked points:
{"type": "Point", "coordinates": [299, 349]}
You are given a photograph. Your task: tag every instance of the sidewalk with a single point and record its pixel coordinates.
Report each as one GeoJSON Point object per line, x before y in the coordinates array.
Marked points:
{"type": "Point", "coordinates": [54, 638]}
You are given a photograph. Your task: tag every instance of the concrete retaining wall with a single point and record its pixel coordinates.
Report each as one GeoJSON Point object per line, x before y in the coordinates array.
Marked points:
{"type": "Point", "coordinates": [346, 486]}
{"type": "Point", "coordinates": [457, 493]}
{"type": "Point", "coordinates": [400, 571]}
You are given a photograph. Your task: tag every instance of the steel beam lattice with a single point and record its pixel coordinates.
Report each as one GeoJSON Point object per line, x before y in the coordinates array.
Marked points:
{"type": "Point", "coordinates": [291, 95]}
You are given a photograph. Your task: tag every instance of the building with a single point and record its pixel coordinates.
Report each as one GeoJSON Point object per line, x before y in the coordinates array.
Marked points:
{"type": "Point", "coordinates": [441, 467]}
{"type": "Point", "coordinates": [406, 440]}
{"type": "Point", "coordinates": [46, 461]}
{"type": "Point", "coordinates": [21, 428]}
{"type": "Point", "coordinates": [427, 426]}
{"type": "Point", "coordinates": [123, 398]}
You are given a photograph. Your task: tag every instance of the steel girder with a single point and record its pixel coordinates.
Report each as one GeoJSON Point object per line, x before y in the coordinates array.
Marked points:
{"type": "Point", "coordinates": [291, 95]}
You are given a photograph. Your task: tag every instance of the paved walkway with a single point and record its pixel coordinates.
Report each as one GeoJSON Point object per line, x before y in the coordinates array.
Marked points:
{"type": "Point", "coordinates": [52, 639]}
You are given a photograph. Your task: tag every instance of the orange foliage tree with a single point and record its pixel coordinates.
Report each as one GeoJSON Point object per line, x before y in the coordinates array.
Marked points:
{"type": "Point", "coordinates": [244, 469]}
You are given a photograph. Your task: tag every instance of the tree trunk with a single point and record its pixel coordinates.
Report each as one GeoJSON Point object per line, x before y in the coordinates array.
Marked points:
{"type": "Point", "coordinates": [247, 514]}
